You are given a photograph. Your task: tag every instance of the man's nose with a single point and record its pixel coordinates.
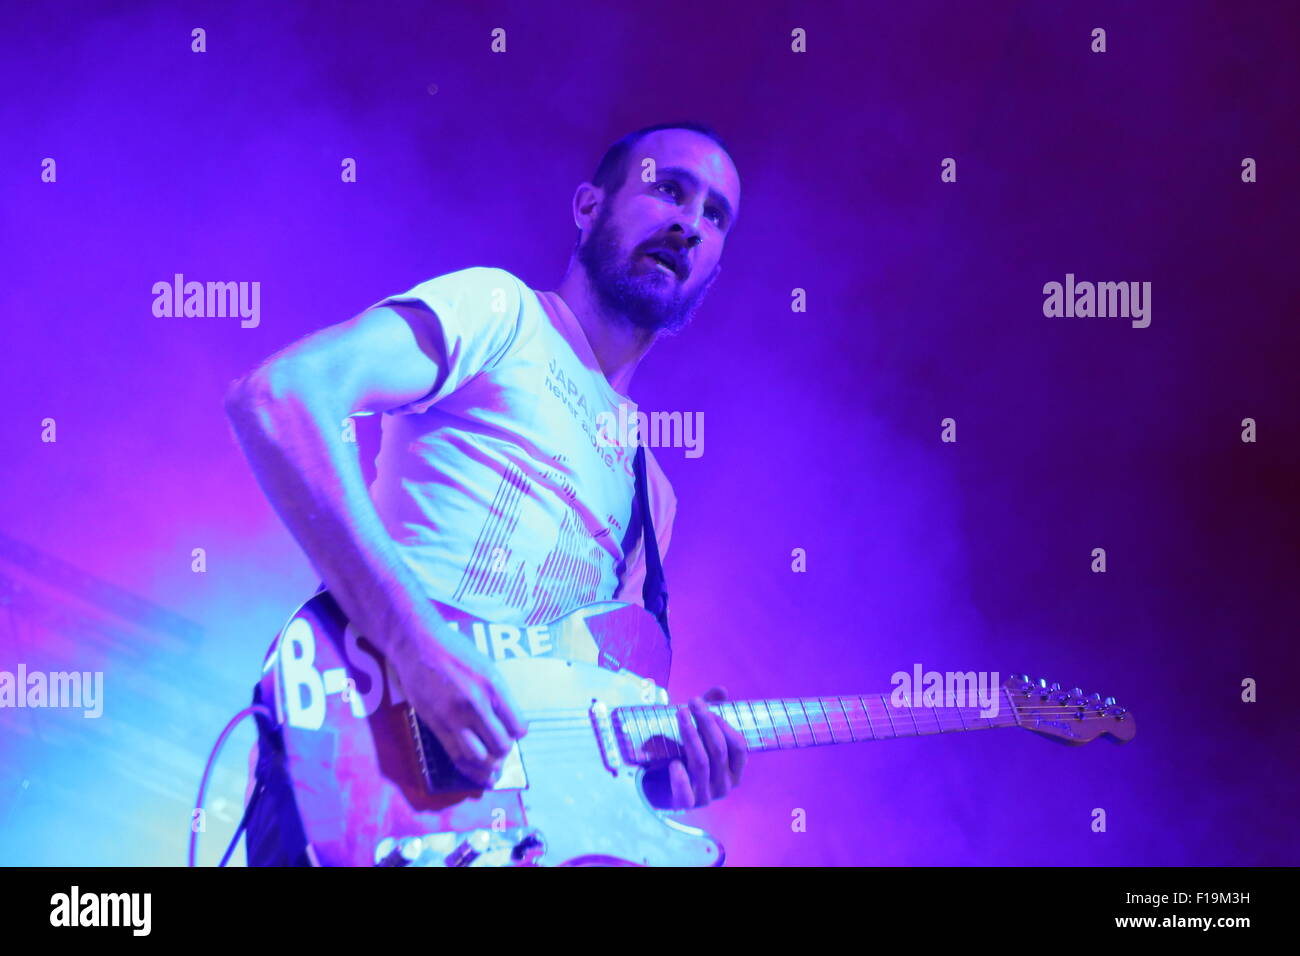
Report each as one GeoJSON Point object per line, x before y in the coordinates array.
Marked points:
{"type": "Point", "coordinates": [690, 226]}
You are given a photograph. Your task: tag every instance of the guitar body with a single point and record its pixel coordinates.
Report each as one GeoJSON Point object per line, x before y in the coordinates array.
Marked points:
{"type": "Point", "coordinates": [373, 786]}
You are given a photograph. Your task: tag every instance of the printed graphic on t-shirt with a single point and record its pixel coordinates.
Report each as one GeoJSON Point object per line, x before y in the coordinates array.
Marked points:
{"type": "Point", "coordinates": [569, 575]}
{"type": "Point", "coordinates": [498, 490]}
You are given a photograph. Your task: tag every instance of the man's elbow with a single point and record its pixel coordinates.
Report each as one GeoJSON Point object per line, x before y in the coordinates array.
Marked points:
{"type": "Point", "coordinates": [280, 393]}
{"type": "Point", "coordinates": [261, 390]}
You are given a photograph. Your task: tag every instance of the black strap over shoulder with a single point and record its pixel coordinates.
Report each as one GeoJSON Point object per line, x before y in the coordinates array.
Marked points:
{"type": "Point", "coordinates": [654, 593]}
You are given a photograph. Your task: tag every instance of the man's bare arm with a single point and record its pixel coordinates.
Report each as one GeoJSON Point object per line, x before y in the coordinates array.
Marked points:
{"type": "Point", "coordinates": [288, 417]}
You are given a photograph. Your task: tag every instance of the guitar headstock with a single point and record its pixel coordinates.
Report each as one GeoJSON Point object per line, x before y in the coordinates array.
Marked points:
{"type": "Point", "coordinates": [1068, 716]}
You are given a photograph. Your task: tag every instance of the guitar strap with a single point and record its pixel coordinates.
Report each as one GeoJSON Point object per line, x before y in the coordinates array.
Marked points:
{"type": "Point", "coordinates": [654, 593]}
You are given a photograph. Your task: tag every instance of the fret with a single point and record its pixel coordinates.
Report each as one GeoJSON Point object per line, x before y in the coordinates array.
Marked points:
{"type": "Point", "coordinates": [670, 729]}
{"type": "Point", "coordinates": [824, 719]}
{"type": "Point", "coordinates": [832, 719]}
{"type": "Point", "coordinates": [847, 722]}
{"type": "Point", "coordinates": [807, 721]}
{"type": "Point", "coordinates": [800, 722]}
{"type": "Point", "coordinates": [785, 715]}
{"type": "Point", "coordinates": [748, 729]}
{"type": "Point", "coordinates": [817, 721]}
{"type": "Point", "coordinates": [727, 711]}
{"type": "Point", "coordinates": [767, 704]}
{"type": "Point", "coordinates": [884, 704]}
{"type": "Point", "coordinates": [911, 712]}
{"type": "Point", "coordinates": [856, 715]}
{"type": "Point", "coordinates": [1009, 709]}
{"type": "Point", "coordinates": [759, 740]}
{"type": "Point", "coordinates": [867, 713]}
{"type": "Point", "coordinates": [962, 719]}
{"type": "Point", "coordinates": [933, 714]}
{"type": "Point", "coordinates": [643, 729]}
{"type": "Point", "coordinates": [774, 737]}
{"type": "Point", "coordinates": [665, 733]}
{"type": "Point", "coordinates": [829, 719]}
{"type": "Point", "coordinates": [794, 731]}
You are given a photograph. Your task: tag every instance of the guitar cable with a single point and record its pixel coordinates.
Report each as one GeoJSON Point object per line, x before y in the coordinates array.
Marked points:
{"type": "Point", "coordinates": [207, 770]}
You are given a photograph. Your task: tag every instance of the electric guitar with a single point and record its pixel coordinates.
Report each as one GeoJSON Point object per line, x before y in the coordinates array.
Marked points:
{"type": "Point", "coordinates": [373, 785]}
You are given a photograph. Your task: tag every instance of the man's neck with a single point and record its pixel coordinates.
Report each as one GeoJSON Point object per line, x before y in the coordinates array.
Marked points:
{"type": "Point", "coordinates": [617, 344]}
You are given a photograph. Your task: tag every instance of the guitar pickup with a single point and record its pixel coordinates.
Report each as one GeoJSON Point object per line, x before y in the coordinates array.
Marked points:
{"type": "Point", "coordinates": [608, 740]}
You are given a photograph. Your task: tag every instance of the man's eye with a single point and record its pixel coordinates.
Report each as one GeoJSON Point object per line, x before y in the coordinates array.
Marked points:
{"type": "Point", "coordinates": [668, 183]}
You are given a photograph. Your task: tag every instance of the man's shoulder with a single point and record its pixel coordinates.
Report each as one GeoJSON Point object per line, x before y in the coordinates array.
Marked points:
{"type": "Point", "coordinates": [472, 280]}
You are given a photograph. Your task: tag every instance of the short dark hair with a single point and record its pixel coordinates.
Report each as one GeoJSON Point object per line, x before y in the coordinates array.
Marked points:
{"type": "Point", "coordinates": [611, 171]}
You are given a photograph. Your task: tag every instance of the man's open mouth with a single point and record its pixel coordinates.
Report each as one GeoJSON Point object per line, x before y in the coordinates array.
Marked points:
{"type": "Point", "coordinates": [666, 262]}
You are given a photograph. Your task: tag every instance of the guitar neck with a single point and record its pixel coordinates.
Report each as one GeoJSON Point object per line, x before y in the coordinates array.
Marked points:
{"type": "Point", "coordinates": [651, 733]}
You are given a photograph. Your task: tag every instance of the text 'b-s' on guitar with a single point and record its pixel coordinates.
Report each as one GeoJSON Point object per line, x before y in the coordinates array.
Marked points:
{"type": "Point", "coordinates": [374, 787]}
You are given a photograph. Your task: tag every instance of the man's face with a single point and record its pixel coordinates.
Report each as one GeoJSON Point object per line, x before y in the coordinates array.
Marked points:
{"type": "Point", "coordinates": [655, 248]}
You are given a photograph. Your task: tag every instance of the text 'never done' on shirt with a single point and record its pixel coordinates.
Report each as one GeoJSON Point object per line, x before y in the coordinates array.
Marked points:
{"type": "Point", "coordinates": [494, 486]}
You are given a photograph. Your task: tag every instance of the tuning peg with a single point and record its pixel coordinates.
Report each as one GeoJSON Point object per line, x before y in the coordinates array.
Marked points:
{"type": "Point", "coordinates": [1094, 696]}
{"type": "Point", "coordinates": [1110, 702]}
{"type": "Point", "coordinates": [1024, 678]}
{"type": "Point", "coordinates": [1042, 682]}
{"type": "Point", "coordinates": [1056, 685]}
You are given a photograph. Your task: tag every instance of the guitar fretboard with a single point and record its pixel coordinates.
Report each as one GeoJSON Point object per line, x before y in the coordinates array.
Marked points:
{"type": "Point", "coordinates": [651, 733]}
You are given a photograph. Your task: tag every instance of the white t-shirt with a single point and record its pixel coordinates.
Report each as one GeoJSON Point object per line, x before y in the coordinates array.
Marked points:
{"type": "Point", "coordinates": [493, 486]}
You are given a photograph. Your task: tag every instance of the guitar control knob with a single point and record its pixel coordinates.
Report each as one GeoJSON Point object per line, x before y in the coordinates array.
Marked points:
{"type": "Point", "coordinates": [469, 850]}
{"type": "Point", "coordinates": [528, 849]}
{"type": "Point", "coordinates": [1110, 702]}
{"type": "Point", "coordinates": [1077, 692]}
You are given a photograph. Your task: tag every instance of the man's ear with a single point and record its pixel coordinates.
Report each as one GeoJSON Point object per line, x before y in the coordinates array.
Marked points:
{"type": "Point", "coordinates": [586, 202]}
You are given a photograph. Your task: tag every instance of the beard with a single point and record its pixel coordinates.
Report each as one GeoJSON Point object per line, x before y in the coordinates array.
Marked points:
{"type": "Point", "coordinates": [648, 299]}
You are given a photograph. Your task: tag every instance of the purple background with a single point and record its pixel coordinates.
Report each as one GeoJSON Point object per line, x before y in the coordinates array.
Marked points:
{"type": "Point", "coordinates": [822, 428]}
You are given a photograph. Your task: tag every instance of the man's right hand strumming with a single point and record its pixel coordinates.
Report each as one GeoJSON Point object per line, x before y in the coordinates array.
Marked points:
{"type": "Point", "coordinates": [462, 698]}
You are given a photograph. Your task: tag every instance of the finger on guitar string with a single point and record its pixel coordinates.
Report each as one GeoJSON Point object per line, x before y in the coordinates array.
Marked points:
{"type": "Point", "coordinates": [715, 743]}
{"type": "Point", "coordinates": [697, 758]}
{"type": "Point", "coordinates": [737, 748]}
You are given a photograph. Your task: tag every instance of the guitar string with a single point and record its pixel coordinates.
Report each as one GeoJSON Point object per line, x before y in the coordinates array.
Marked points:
{"type": "Point", "coordinates": [582, 722]}
{"type": "Point", "coordinates": [581, 728]}
{"type": "Point", "coordinates": [578, 717]}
